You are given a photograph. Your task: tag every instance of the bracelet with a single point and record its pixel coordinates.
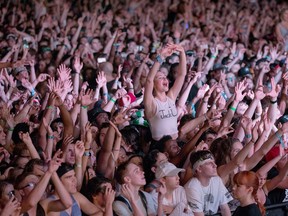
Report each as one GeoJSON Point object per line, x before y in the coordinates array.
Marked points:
{"type": "Point", "coordinates": [131, 88]}
{"type": "Point", "coordinates": [213, 56]}
{"type": "Point", "coordinates": [50, 137]}
{"type": "Point", "coordinates": [247, 136]}
{"type": "Point", "coordinates": [78, 165]}
{"type": "Point", "coordinates": [273, 102]}
{"type": "Point", "coordinates": [113, 100]}
{"type": "Point", "coordinates": [87, 153]}
{"type": "Point", "coordinates": [50, 107]}
{"type": "Point", "coordinates": [104, 94]}
{"type": "Point", "coordinates": [280, 139]}
{"type": "Point", "coordinates": [88, 149]}
{"type": "Point", "coordinates": [159, 59]}
{"type": "Point", "coordinates": [32, 92]}
{"type": "Point", "coordinates": [84, 107]}
{"type": "Point", "coordinates": [10, 129]}
{"type": "Point", "coordinates": [232, 108]}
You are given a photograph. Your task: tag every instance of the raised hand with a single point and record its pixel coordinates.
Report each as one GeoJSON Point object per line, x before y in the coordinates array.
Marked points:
{"type": "Point", "coordinates": [101, 79]}
{"type": "Point", "coordinates": [88, 133]}
{"type": "Point", "coordinates": [64, 72]}
{"type": "Point", "coordinates": [79, 149]}
{"type": "Point", "coordinates": [259, 94]}
{"type": "Point", "coordinates": [201, 92]}
{"type": "Point", "coordinates": [86, 98]}
{"type": "Point", "coordinates": [239, 88]}
{"type": "Point", "coordinates": [120, 67]}
{"type": "Point", "coordinates": [275, 89]}
{"type": "Point", "coordinates": [109, 194]}
{"type": "Point", "coordinates": [120, 117]}
{"type": "Point", "coordinates": [78, 65]}
{"type": "Point", "coordinates": [25, 137]}
{"type": "Point", "coordinates": [42, 77]}
{"type": "Point", "coordinates": [246, 124]}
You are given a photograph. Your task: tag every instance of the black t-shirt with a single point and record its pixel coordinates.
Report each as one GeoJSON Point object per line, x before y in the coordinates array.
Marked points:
{"type": "Point", "coordinates": [249, 210]}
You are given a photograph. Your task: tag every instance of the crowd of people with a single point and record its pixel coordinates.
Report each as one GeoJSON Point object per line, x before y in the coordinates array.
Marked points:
{"type": "Point", "coordinates": [117, 107]}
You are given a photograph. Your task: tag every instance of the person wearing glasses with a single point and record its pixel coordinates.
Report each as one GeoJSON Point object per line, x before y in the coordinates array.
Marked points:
{"type": "Point", "coordinates": [205, 190]}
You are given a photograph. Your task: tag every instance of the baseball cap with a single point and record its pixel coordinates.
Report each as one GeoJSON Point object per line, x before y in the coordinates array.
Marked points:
{"type": "Point", "coordinates": [167, 169]}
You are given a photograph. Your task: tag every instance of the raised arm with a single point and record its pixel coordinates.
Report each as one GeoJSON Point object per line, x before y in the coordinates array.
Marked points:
{"type": "Point", "coordinates": [178, 84]}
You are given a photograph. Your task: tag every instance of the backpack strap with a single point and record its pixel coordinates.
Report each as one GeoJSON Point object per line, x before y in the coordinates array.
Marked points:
{"type": "Point", "coordinates": [142, 197]}
{"type": "Point", "coordinates": [122, 199]}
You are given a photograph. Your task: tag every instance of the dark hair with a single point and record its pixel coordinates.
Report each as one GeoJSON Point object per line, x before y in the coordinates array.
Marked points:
{"type": "Point", "coordinates": [20, 178]}
{"type": "Point", "coordinates": [221, 149]}
{"type": "Point", "coordinates": [104, 125]}
{"type": "Point", "coordinates": [21, 127]}
{"type": "Point", "coordinates": [63, 169]}
{"type": "Point", "coordinates": [161, 143]}
{"type": "Point", "coordinates": [150, 161]}
{"type": "Point", "coordinates": [196, 156]}
{"type": "Point", "coordinates": [121, 171]}
{"type": "Point", "coordinates": [131, 136]}
{"type": "Point", "coordinates": [94, 186]}
{"type": "Point", "coordinates": [57, 120]}
{"type": "Point", "coordinates": [30, 165]}
{"type": "Point", "coordinates": [3, 185]}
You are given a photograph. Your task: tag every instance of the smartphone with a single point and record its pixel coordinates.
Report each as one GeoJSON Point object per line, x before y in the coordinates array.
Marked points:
{"type": "Point", "coordinates": [101, 60]}
{"type": "Point", "coordinates": [139, 48]}
{"type": "Point", "coordinates": [25, 44]}
{"type": "Point", "coordinates": [123, 55]}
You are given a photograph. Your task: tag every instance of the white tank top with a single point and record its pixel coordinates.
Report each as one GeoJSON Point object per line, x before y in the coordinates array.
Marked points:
{"type": "Point", "coordinates": [164, 122]}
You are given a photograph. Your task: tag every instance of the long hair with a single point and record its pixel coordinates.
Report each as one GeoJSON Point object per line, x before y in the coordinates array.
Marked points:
{"type": "Point", "coordinates": [249, 179]}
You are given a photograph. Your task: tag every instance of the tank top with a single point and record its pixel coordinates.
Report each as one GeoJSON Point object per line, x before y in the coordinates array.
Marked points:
{"type": "Point", "coordinates": [75, 209]}
{"type": "Point", "coordinates": [164, 122]}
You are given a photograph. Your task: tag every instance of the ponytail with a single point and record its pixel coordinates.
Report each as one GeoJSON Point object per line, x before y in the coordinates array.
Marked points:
{"type": "Point", "coordinates": [260, 205]}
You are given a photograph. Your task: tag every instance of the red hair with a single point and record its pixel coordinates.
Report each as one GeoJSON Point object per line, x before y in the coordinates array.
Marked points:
{"type": "Point", "coordinates": [249, 179]}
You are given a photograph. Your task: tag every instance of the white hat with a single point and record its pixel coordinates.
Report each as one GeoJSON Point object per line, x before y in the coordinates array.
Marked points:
{"type": "Point", "coordinates": [167, 169]}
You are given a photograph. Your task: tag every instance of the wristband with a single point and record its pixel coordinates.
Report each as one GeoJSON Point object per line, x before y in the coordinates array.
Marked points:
{"type": "Point", "coordinates": [50, 107]}
{"type": "Point", "coordinates": [84, 107]}
{"type": "Point", "coordinates": [78, 165]}
{"type": "Point", "coordinates": [280, 139]}
{"type": "Point", "coordinates": [50, 137]}
{"type": "Point", "coordinates": [213, 56]}
{"type": "Point", "coordinates": [159, 59]}
{"type": "Point", "coordinates": [273, 102]}
{"type": "Point", "coordinates": [113, 100]}
{"type": "Point", "coordinates": [10, 129]}
{"type": "Point", "coordinates": [32, 92]}
{"type": "Point", "coordinates": [105, 94]}
{"type": "Point", "coordinates": [87, 153]}
{"type": "Point", "coordinates": [232, 108]}
{"type": "Point", "coordinates": [247, 136]}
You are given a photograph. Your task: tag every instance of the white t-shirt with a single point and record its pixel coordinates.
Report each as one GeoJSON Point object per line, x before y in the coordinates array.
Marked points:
{"type": "Point", "coordinates": [122, 209]}
{"type": "Point", "coordinates": [207, 199]}
{"type": "Point", "coordinates": [179, 201]}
